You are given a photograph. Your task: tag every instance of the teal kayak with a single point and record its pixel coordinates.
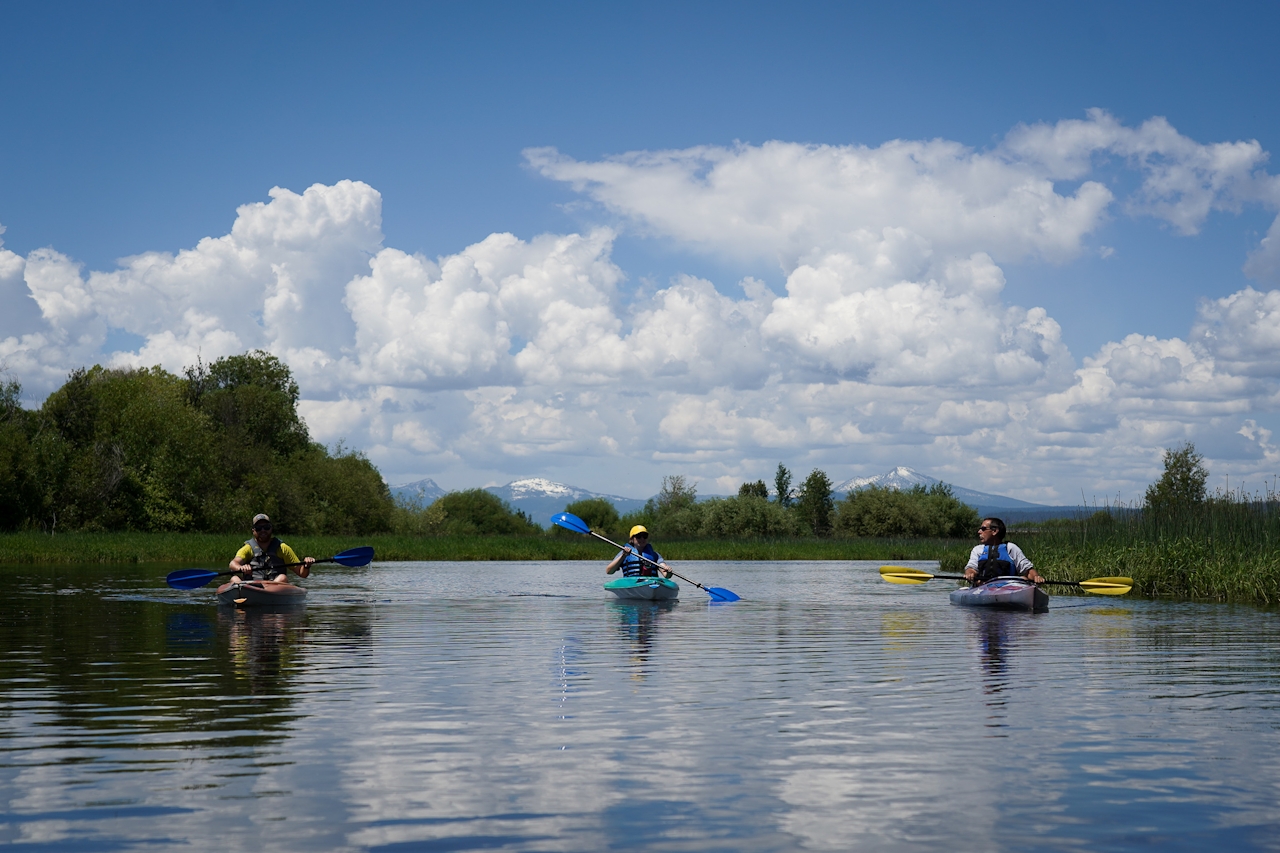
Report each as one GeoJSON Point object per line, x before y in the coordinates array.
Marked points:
{"type": "Point", "coordinates": [644, 588]}
{"type": "Point", "coordinates": [1003, 594]}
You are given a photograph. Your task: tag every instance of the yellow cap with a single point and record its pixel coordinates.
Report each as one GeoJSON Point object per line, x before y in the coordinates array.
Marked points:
{"type": "Point", "coordinates": [639, 528]}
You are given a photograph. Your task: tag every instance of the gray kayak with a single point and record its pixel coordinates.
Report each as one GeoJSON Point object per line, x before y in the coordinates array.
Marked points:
{"type": "Point", "coordinates": [1003, 594]}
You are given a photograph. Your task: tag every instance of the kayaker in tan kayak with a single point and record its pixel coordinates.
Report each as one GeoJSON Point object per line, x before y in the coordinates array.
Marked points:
{"type": "Point", "coordinates": [267, 556]}
{"type": "Point", "coordinates": [995, 558]}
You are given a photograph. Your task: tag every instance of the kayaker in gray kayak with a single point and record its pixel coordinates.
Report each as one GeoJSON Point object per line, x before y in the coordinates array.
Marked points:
{"type": "Point", "coordinates": [995, 558]}
{"type": "Point", "coordinates": [629, 561]}
{"type": "Point", "coordinates": [267, 556]}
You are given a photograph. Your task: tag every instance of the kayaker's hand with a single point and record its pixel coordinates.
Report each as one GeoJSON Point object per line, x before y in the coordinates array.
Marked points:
{"type": "Point", "coordinates": [970, 574]}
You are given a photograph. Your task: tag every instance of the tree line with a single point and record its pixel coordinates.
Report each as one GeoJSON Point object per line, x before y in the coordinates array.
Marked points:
{"type": "Point", "coordinates": [147, 450]}
{"type": "Point", "coordinates": [807, 510]}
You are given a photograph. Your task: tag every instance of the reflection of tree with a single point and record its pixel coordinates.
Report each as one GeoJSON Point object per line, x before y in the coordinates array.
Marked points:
{"type": "Point", "coordinates": [637, 619]}
{"type": "Point", "coordinates": [116, 662]}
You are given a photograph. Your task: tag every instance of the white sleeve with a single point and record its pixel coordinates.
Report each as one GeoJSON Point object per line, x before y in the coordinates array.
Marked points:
{"type": "Point", "coordinates": [1019, 559]}
{"type": "Point", "coordinates": [974, 556]}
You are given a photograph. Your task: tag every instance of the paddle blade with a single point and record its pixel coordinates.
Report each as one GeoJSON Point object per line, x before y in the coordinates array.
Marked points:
{"type": "Point", "coordinates": [917, 578]}
{"type": "Point", "coordinates": [897, 570]}
{"type": "Point", "coordinates": [1107, 586]}
{"type": "Point", "coordinates": [721, 594]}
{"type": "Point", "coordinates": [570, 522]}
{"type": "Point", "coordinates": [354, 557]}
{"type": "Point", "coordinates": [920, 575]}
{"type": "Point", "coordinates": [189, 578]}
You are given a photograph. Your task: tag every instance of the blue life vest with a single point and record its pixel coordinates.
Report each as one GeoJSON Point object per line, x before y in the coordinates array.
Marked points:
{"type": "Point", "coordinates": [632, 566]}
{"type": "Point", "coordinates": [1001, 566]}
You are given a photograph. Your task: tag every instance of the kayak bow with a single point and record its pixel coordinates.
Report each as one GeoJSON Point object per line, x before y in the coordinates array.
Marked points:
{"type": "Point", "coordinates": [261, 594]}
{"type": "Point", "coordinates": [1003, 594]}
{"type": "Point", "coordinates": [643, 588]}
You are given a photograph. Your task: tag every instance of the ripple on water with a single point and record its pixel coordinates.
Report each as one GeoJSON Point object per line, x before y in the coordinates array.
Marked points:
{"type": "Point", "coordinates": [514, 706]}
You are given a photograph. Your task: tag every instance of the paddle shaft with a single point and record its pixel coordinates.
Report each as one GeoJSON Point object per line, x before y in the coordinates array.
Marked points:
{"type": "Point", "coordinates": [645, 559]}
{"type": "Point", "coordinates": [1008, 577]}
{"type": "Point", "coordinates": [293, 566]}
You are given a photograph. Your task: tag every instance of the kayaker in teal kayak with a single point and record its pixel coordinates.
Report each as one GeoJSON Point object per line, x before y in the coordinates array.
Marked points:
{"type": "Point", "coordinates": [629, 561]}
{"type": "Point", "coordinates": [267, 556]}
{"type": "Point", "coordinates": [995, 558]}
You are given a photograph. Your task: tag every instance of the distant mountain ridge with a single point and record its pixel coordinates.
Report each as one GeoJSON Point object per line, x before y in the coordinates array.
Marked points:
{"type": "Point", "coordinates": [905, 478]}
{"type": "Point", "coordinates": [540, 498]}
{"type": "Point", "coordinates": [419, 493]}
{"type": "Point", "coordinates": [537, 497]}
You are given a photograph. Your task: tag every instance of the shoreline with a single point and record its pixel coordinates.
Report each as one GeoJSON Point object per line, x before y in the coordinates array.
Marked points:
{"type": "Point", "coordinates": [217, 549]}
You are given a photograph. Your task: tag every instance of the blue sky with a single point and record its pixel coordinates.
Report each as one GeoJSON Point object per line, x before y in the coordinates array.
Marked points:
{"type": "Point", "coordinates": [142, 128]}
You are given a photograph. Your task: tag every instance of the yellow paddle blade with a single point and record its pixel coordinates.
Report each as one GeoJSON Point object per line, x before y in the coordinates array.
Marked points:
{"type": "Point", "coordinates": [1107, 586]}
{"type": "Point", "coordinates": [903, 570]}
{"type": "Point", "coordinates": [919, 578]}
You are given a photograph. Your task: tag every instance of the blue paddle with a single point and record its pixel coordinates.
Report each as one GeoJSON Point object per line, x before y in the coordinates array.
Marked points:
{"type": "Point", "coordinates": [196, 578]}
{"type": "Point", "coordinates": [577, 525]}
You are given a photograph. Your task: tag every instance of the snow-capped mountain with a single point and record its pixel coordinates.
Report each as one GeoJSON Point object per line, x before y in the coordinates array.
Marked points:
{"type": "Point", "coordinates": [899, 478]}
{"type": "Point", "coordinates": [540, 499]}
{"type": "Point", "coordinates": [420, 493]}
{"type": "Point", "coordinates": [905, 478]}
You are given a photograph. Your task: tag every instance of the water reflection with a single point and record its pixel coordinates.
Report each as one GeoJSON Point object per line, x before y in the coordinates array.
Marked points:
{"type": "Point", "coordinates": [638, 622]}
{"type": "Point", "coordinates": [997, 636]}
{"type": "Point", "coordinates": [427, 707]}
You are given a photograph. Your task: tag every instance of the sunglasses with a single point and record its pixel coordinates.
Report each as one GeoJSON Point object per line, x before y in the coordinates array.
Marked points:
{"type": "Point", "coordinates": [262, 527]}
{"type": "Point", "coordinates": [988, 527]}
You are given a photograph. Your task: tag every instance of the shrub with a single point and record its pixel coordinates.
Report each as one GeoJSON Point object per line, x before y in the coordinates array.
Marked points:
{"type": "Point", "coordinates": [478, 512]}
{"type": "Point", "coordinates": [747, 517]}
{"type": "Point", "coordinates": [599, 513]}
{"type": "Point", "coordinates": [885, 512]}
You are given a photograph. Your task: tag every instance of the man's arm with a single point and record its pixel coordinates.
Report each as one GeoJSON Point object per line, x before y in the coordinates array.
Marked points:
{"type": "Point", "coordinates": [238, 563]}
{"type": "Point", "coordinates": [290, 556]}
{"type": "Point", "coordinates": [1023, 565]}
{"type": "Point", "coordinates": [971, 567]}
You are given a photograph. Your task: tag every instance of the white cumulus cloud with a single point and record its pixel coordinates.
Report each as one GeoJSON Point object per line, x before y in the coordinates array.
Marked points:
{"type": "Point", "coordinates": [892, 340]}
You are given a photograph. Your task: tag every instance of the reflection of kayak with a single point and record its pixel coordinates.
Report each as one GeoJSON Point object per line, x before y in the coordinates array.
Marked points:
{"type": "Point", "coordinates": [647, 589]}
{"type": "Point", "coordinates": [260, 594]}
{"type": "Point", "coordinates": [1003, 594]}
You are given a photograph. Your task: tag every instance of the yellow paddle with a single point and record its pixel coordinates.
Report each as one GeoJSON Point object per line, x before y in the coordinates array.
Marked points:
{"type": "Point", "coordinates": [1097, 586]}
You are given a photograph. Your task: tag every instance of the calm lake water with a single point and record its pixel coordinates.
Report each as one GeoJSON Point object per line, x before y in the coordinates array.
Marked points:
{"type": "Point", "coordinates": [500, 706]}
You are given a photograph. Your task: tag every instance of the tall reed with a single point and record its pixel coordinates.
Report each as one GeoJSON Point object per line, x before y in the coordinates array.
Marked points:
{"type": "Point", "coordinates": [1226, 548]}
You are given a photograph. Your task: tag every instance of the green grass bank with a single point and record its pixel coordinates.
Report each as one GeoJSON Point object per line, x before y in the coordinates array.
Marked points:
{"type": "Point", "coordinates": [1190, 562]}
{"type": "Point", "coordinates": [211, 549]}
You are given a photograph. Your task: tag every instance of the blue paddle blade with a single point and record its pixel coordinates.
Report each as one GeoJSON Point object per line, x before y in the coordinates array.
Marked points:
{"type": "Point", "coordinates": [189, 578]}
{"type": "Point", "coordinates": [354, 557]}
{"type": "Point", "coordinates": [570, 522]}
{"type": "Point", "coordinates": [721, 594]}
